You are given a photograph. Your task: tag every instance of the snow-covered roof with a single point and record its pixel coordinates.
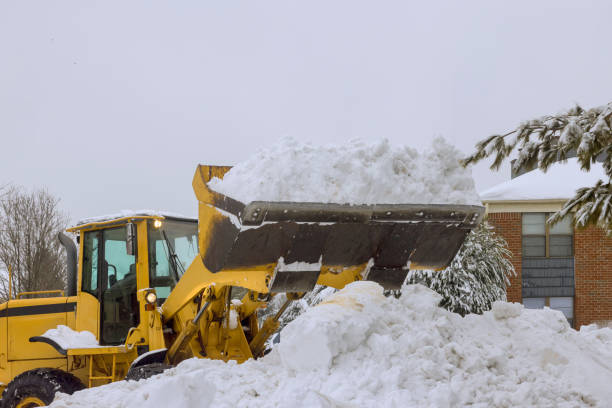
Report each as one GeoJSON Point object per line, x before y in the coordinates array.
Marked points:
{"type": "Point", "coordinates": [560, 182]}
{"type": "Point", "coordinates": [131, 213]}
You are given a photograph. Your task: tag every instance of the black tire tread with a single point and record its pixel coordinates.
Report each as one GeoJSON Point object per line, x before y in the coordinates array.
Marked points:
{"type": "Point", "coordinates": [42, 383]}
{"type": "Point", "coordinates": [146, 371]}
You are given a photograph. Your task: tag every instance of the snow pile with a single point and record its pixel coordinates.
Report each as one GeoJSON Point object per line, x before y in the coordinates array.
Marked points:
{"type": "Point", "coordinates": [560, 182]}
{"type": "Point", "coordinates": [67, 338]}
{"type": "Point", "coordinates": [361, 349]}
{"type": "Point", "coordinates": [358, 173]}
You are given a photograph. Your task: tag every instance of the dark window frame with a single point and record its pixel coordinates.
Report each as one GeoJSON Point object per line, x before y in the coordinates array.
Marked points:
{"type": "Point", "coordinates": [571, 320]}
{"type": "Point", "coordinates": [547, 235]}
{"type": "Point", "coordinates": [87, 274]}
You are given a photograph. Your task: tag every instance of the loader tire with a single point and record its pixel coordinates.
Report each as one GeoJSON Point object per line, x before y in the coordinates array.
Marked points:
{"type": "Point", "coordinates": [37, 388]}
{"type": "Point", "coordinates": [145, 371]}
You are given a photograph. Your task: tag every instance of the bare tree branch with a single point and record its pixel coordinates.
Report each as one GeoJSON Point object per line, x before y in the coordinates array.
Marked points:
{"type": "Point", "coordinates": [29, 223]}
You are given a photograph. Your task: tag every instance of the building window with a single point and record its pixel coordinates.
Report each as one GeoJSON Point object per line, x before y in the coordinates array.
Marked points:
{"type": "Point", "coordinates": [541, 240]}
{"type": "Point", "coordinates": [562, 304]}
{"type": "Point", "coordinates": [534, 235]}
{"type": "Point", "coordinates": [534, 303]}
{"type": "Point", "coordinates": [561, 238]}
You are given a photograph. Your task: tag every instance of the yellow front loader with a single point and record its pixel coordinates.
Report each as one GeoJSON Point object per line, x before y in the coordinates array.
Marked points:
{"type": "Point", "coordinates": [156, 289]}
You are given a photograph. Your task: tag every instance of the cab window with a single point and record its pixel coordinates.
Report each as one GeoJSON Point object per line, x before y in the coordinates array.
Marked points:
{"type": "Point", "coordinates": [173, 245]}
{"type": "Point", "coordinates": [89, 282]}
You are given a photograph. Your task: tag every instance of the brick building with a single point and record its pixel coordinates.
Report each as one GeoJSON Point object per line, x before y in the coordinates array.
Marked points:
{"type": "Point", "coordinates": [556, 266]}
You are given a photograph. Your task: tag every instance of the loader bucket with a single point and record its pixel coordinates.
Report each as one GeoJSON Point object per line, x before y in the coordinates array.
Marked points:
{"type": "Point", "coordinates": [303, 239]}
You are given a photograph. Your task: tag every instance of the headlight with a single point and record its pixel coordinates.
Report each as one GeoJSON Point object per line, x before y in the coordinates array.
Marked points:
{"type": "Point", "coordinates": [157, 223]}
{"type": "Point", "coordinates": [151, 297]}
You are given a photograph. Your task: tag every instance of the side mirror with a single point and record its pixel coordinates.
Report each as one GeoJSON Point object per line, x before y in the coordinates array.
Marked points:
{"type": "Point", "coordinates": [130, 244]}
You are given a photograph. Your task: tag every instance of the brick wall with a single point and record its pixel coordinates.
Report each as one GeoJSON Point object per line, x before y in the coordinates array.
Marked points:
{"type": "Point", "coordinates": [509, 226]}
{"type": "Point", "coordinates": [593, 275]}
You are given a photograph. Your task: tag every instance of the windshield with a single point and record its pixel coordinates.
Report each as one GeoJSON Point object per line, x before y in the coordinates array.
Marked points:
{"type": "Point", "coordinates": [172, 248]}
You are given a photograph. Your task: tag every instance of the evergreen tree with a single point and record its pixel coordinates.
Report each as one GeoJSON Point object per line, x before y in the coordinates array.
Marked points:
{"type": "Point", "coordinates": [477, 276]}
{"type": "Point", "coordinates": [548, 139]}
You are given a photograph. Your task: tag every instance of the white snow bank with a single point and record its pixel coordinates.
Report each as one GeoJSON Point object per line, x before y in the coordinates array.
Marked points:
{"type": "Point", "coordinates": [176, 390]}
{"type": "Point", "coordinates": [361, 349]}
{"type": "Point", "coordinates": [560, 182]}
{"type": "Point", "coordinates": [67, 338]}
{"type": "Point", "coordinates": [130, 213]}
{"type": "Point", "coordinates": [357, 172]}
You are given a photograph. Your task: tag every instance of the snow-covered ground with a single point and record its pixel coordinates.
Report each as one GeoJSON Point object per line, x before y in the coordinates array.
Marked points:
{"type": "Point", "coordinates": [357, 172]}
{"type": "Point", "coordinates": [359, 348]}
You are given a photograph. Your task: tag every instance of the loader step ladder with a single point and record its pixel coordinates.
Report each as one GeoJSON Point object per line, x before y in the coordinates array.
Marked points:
{"type": "Point", "coordinates": [100, 357]}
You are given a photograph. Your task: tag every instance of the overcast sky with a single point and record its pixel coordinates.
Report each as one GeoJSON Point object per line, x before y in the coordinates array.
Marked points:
{"type": "Point", "coordinates": [111, 105]}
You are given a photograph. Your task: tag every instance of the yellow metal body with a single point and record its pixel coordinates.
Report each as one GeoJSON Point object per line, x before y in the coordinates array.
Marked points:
{"type": "Point", "coordinates": [217, 337]}
{"type": "Point", "coordinates": [206, 314]}
{"type": "Point", "coordinates": [172, 327]}
{"type": "Point", "coordinates": [22, 319]}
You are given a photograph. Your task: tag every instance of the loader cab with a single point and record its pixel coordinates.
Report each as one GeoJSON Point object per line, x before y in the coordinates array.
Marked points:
{"type": "Point", "coordinates": [119, 257]}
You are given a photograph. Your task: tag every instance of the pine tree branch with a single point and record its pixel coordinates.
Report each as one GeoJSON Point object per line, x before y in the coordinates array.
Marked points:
{"type": "Point", "coordinates": [549, 139]}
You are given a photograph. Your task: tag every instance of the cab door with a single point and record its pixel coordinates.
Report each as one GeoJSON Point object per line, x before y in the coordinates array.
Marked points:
{"type": "Point", "coordinates": [109, 276]}
{"type": "Point", "coordinates": [118, 286]}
